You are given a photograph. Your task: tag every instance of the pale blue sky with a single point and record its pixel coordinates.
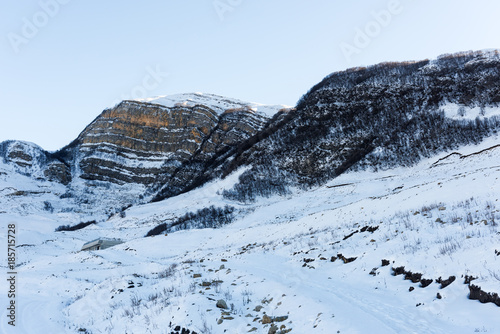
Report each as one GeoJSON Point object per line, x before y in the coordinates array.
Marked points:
{"type": "Point", "coordinates": [87, 54]}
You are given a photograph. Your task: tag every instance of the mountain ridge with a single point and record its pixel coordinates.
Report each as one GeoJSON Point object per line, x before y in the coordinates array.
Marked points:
{"type": "Point", "coordinates": [145, 143]}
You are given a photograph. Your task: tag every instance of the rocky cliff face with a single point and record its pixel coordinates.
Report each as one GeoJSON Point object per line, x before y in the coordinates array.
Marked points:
{"type": "Point", "coordinates": [136, 142]}
{"type": "Point", "coordinates": [146, 143]}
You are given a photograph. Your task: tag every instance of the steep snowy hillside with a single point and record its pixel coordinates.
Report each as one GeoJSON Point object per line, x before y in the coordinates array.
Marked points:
{"type": "Point", "coordinates": [319, 261]}
{"type": "Point", "coordinates": [378, 117]}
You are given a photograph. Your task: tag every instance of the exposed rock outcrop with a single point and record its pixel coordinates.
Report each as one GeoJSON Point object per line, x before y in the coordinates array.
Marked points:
{"type": "Point", "coordinates": [31, 160]}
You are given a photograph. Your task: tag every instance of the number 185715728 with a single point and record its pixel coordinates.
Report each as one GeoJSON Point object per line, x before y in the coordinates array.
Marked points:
{"type": "Point", "coordinates": [11, 246]}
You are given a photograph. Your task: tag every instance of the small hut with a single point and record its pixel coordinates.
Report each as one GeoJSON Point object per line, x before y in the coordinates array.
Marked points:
{"type": "Point", "coordinates": [100, 243]}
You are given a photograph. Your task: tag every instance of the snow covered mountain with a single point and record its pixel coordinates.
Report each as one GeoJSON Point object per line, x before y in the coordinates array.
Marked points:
{"type": "Point", "coordinates": [383, 116]}
{"type": "Point", "coordinates": [371, 207]}
{"type": "Point", "coordinates": [139, 148]}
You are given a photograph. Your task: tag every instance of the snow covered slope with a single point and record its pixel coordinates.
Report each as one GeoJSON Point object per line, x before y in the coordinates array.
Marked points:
{"type": "Point", "coordinates": [218, 103]}
{"type": "Point", "coordinates": [370, 208]}
{"type": "Point", "coordinates": [309, 262]}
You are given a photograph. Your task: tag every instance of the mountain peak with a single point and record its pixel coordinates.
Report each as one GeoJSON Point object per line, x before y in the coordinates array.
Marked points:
{"type": "Point", "coordinates": [219, 104]}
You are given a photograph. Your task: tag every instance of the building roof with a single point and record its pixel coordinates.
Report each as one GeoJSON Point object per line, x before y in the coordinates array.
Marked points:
{"type": "Point", "coordinates": [100, 241]}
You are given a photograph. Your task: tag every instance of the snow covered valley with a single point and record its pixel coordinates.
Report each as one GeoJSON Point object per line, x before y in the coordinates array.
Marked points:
{"type": "Point", "coordinates": [317, 261]}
